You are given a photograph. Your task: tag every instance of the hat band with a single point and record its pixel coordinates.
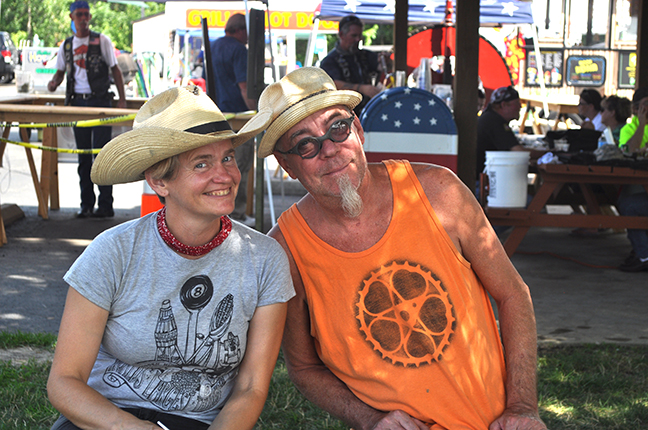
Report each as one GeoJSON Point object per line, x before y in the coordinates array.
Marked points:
{"type": "Point", "coordinates": [301, 100]}
{"type": "Point", "coordinates": [210, 127]}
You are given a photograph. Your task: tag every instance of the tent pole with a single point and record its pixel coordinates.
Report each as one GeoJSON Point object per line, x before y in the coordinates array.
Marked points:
{"type": "Point", "coordinates": [536, 48]}
{"type": "Point", "coordinates": [312, 39]}
{"type": "Point", "coordinates": [207, 62]}
{"type": "Point", "coordinates": [465, 89]}
{"type": "Point", "coordinates": [400, 34]}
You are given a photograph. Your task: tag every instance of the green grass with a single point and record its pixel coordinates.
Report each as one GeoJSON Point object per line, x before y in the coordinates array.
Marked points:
{"type": "Point", "coordinates": [16, 339]}
{"type": "Point", "coordinates": [593, 387]}
{"type": "Point", "coordinates": [583, 387]}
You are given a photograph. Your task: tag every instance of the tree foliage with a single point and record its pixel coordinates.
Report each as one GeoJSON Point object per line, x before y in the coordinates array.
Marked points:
{"type": "Point", "coordinates": [50, 20]}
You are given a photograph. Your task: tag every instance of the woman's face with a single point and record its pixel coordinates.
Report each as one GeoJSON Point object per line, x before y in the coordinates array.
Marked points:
{"type": "Point", "coordinates": [206, 182]}
{"type": "Point", "coordinates": [608, 117]}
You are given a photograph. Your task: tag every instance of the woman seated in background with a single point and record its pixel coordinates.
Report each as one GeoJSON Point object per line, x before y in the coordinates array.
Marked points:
{"type": "Point", "coordinates": [174, 318]}
{"type": "Point", "coordinates": [589, 108]}
{"type": "Point", "coordinates": [615, 114]}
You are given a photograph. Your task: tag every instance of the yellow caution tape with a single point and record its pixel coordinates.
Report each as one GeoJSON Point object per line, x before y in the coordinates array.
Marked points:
{"type": "Point", "coordinates": [103, 121]}
{"type": "Point", "coordinates": [52, 149]}
{"type": "Point", "coordinates": [83, 123]}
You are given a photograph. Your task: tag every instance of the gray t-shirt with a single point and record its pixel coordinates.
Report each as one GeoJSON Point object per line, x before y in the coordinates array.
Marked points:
{"type": "Point", "coordinates": [177, 328]}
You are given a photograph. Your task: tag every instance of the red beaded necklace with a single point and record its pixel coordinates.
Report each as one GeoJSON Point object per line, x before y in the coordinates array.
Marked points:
{"type": "Point", "coordinates": [176, 245]}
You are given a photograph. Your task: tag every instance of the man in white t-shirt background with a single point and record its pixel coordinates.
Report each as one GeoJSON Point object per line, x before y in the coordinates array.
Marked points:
{"type": "Point", "coordinates": [88, 59]}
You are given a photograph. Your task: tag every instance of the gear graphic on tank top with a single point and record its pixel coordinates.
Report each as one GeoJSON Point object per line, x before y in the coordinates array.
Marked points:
{"type": "Point", "coordinates": [405, 314]}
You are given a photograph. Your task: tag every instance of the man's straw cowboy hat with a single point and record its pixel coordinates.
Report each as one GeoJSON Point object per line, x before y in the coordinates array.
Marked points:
{"type": "Point", "coordinates": [296, 96]}
{"type": "Point", "coordinates": [175, 121]}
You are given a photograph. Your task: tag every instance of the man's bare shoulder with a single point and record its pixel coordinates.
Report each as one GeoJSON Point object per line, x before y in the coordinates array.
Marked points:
{"type": "Point", "coordinates": [435, 178]}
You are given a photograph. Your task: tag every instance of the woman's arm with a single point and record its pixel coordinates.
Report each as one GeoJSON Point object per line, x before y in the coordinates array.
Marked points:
{"type": "Point", "coordinates": [244, 406]}
{"type": "Point", "coordinates": [80, 334]}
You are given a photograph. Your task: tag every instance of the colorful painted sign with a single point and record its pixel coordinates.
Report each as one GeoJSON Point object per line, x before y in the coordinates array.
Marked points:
{"type": "Point", "coordinates": [552, 66]}
{"type": "Point", "coordinates": [585, 71]}
{"type": "Point", "coordinates": [627, 69]}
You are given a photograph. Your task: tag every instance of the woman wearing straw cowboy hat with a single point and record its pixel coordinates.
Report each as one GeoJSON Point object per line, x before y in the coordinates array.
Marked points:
{"type": "Point", "coordinates": [174, 319]}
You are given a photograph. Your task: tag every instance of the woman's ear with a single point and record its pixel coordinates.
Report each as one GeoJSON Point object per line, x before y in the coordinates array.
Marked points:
{"type": "Point", "coordinates": [157, 185]}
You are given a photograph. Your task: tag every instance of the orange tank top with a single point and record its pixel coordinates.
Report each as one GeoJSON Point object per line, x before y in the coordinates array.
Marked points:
{"type": "Point", "coordinates": [405, 324]}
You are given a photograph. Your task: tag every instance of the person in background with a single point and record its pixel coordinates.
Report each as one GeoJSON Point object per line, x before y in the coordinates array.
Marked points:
{"type": "Point", "coordinates": [392, 263]}
{"type": "Point", "coordinates": [174, 318]}
{"type": "Point", "coordinates": [493, 130]}
{"type": "Point", "coordinates": [589, 108]}
{"type": "Point", "coordinates": [615, 114]}
{"type": "Point", "coordinates": [481, 100]}
{"type": "Point", "coordinates": [633, 199]}
{"type": "Point", "coordinates": [350, 67]}
{"type": "Point", "coordinates": [89, 58]}
{"type": "Point", "coordinates": [634, 135]}
{"type": "Point", "coordinates": [229, 67]}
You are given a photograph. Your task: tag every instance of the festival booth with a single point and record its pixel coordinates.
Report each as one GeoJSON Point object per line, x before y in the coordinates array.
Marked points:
{"type": "Point", "coordinates": [437, 40]}
{"type": "Point", "coordinates": [434, 138]}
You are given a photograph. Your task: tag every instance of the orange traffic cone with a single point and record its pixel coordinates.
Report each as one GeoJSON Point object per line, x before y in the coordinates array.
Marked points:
{"type": "Point", "coordinates": [150, 201]}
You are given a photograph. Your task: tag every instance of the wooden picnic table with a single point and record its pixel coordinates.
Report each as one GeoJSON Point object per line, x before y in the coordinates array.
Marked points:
{"type": "Point", "coordinates": [554, 177]}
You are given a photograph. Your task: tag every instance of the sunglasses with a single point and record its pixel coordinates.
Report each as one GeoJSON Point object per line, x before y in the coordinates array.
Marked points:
{"type": "Point", "coordinates": [82, 14]}
{"type": "Point", "coordinates": [309, 147]}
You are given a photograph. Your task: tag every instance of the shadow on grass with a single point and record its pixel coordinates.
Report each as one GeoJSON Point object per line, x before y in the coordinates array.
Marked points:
{"type": "Point", "coordinates": [593, 386]}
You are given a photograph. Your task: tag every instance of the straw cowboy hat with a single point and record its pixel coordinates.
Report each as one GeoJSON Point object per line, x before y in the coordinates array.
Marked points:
{"type": "Point", "coordinates": [296, 96]}
{"type": "Point", "coordinates": [175, 121]}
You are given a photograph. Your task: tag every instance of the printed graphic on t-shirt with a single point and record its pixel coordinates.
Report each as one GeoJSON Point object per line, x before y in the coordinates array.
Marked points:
{"type": "Point", "coordinates": [187, 377]}
{"type": "Point", "coordinates": [405, 313]}
{"type": "Point", "coordinates": [79, 56]}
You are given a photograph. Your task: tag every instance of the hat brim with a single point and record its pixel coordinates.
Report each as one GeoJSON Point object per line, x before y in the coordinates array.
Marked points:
{"type": "Point", "coordinates": [125, 158]}
{"type": "Point", "coordinates": [297, 112]}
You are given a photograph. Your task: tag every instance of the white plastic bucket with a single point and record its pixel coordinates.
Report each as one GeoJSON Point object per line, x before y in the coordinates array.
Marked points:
{"type": "Point", "coordinates": [507, 178]}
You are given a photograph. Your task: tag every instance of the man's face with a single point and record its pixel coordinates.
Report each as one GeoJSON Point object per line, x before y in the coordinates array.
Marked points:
{"type": "Point", "coordinates": [351, 39]}
{"type": "Point", "coordinates": [511, 109]}
{"type": "Point", "coordinates": [320, 174]}
{"type": "Point", "coordinates": [81, 19]}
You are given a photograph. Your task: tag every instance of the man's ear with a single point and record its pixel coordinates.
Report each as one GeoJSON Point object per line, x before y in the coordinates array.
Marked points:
{"type": "Point", "coordinates": [284, 165]}
{"type": "Point", "coordinates": [157, 185]}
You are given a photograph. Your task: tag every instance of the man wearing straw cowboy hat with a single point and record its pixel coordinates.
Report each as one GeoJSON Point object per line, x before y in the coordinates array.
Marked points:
{"type": "Point", "coordinates": [391, 326]}
{"type": "Point", "coordinates": [87, 58]}
{"type": "Point", "coordinates": [174, 318]}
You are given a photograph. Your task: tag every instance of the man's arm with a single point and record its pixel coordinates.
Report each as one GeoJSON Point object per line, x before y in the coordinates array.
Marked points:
{"type": "Point", "coordinates": [366, 89]}
{"type": "Point", "coordinates": [250, 103]}
{"type": "Point", "coordinates": [56, 80]}
{"type": "Point", "coordinates": [312, 377]}
{"type": "Point", "coordinates": [119, 83]}
{"type": "Point", "coordinates": [465, 222]}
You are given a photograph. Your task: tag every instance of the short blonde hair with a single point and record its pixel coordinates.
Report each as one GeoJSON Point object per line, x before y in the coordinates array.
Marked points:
{"type": "Point", "coordinates": [165, 170]}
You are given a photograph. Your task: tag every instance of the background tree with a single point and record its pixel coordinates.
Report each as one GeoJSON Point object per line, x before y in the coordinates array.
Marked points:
{"type": "Point", "coordinates": [50, 20]}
